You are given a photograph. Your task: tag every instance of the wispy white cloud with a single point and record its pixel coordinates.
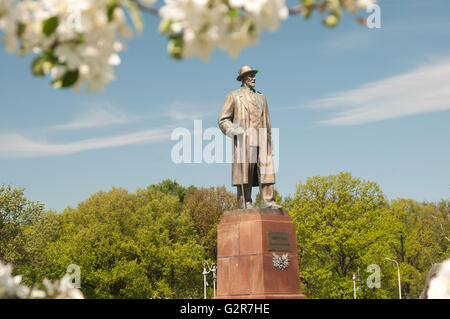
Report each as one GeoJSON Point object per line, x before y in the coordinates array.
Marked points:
{"type": "Point", "coordinates": [358, 40]}
{"type": "Point", "coordinates": [190, 111]}
{"type": "Point", "coordinates": [26, 145]}
{"type": "Point", "coordinates": [16, 145]}
{"type": "Point", "coordinates": [98, 115]}
{"type": "Point", "coordinates": [362, 39]}
{"type": "Point", "coordinates": [425, 89]}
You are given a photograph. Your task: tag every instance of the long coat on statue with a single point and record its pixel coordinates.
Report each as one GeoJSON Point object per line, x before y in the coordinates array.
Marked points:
{"type": "Point", "coordinates": [236, 112]}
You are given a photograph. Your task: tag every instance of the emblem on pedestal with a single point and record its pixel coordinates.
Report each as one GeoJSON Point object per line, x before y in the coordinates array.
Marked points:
{"type": "Point", "coordinates": [280, 262]}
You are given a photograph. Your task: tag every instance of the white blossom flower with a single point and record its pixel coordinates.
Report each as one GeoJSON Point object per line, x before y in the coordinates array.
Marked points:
{"type": "Point", "coordinates": [37, 293]}
{"type": "Point", "coordinates": [10, 286]}
{"type": "Point", "coordinates": [84, 37]}
{"type": "Point", "coordinates": [79, 41]}
{"type": "Point", "coordinates": [62, 289]}
{"type": "Point", "coordinates": [270, 14]}
{"type": "Point", "coordinates": [66, 289]}
{"type": "Point", "coordinates": [205, 25]}
{"type": "Point", "coordinates": [440, 284]}
{"type": "Point", "coordinates": [9, 16]}
{"type": "Point", "coordinates": [364, 4]}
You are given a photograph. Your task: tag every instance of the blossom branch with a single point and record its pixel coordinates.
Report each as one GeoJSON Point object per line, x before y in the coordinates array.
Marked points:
{"type": "Point", "coordinates": [296, 9]}
{"type": "Point", "coordinates": [145, 8]}
{"type": "Point", "coordinates": [79, 42]}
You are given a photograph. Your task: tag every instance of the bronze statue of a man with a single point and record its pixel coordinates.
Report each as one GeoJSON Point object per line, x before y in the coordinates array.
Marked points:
{"type": "Point", "coordinates": [245, 118]}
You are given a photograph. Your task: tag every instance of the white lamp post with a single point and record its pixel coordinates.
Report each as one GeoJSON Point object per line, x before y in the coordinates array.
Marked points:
{"type": "Point", "coordinates": [205, 283]}
{"type": "Point", "coordinates": [398, 272]}
{"type": "Point", "coordinates": [211, 268]}
{"type": "Point", "coordinates": [356, 280]}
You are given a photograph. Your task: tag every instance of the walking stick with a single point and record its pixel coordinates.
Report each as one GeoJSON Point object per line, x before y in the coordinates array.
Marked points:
{"type": "Point", "coordinates": [242, 169]}
{"type": "Point", "coordinates": [242, 185]}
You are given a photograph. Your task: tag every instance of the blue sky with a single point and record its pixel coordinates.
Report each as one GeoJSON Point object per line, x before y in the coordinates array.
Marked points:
{"type": "Point", "coordinates": [373, 102]}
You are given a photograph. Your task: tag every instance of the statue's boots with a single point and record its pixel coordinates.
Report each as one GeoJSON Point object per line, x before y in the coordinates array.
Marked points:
{"type": "Point", "coordinates": [272, 204]}
{"type": "Point", "coordinates": [249, 205]}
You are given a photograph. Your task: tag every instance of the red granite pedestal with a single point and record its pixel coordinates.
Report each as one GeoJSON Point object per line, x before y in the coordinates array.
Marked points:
{"type": "Point", "coordinates": [246, 241]}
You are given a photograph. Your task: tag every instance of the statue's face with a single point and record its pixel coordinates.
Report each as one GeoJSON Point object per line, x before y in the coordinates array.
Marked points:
{"type": "Point", "coordinates": [250, 80]}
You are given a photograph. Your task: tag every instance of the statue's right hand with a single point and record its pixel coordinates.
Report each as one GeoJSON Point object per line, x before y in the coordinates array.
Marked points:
{"type": "Point", "coordinates": [238, 131]}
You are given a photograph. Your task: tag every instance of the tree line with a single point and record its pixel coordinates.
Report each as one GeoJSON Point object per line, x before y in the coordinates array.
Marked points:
{"type": "Point", "coordinates": [151, 243]}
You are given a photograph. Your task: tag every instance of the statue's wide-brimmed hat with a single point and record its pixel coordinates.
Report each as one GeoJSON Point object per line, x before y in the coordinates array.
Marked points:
{"type": "Point", "coordinates": [246, 69]}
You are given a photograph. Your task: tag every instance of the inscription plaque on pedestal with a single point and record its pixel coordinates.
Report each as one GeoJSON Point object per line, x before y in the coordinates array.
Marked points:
{"type": "Point", "coordinates": [279, 241]}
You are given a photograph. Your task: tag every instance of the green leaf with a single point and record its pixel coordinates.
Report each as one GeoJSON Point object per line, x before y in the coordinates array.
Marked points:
{"type": "Point", "coordinates": [70, 78]}
{"type": "Point", "coordinates": [136, 16]}
{"type": "Point", "coordinates": [49, 26]}
{"type": "Point", "coordinates": [306, 12]}
{"type": "Point", "coordinates": [49, 57]}
{"type": "Point", "coordinates": [175, 47]}
{"type": "Point", "coordinates": [164, 26]}
{"type": "Point", "coordinates": [110, 10]}
{"type": "Point", "coordinates": [20, 29]}
{"type": "Point", "coordinates": [251, 28]}
{"type": "Point", "coordinates": [42, 64]}
{"type": "Point", "coordinates": [37, 66]}
{"type": "Point", "coordinates": [233, 14]}
{"type": "Point", "coordinates": [331, 21]}
{"type": "Point", "coordinates": [57, 84]}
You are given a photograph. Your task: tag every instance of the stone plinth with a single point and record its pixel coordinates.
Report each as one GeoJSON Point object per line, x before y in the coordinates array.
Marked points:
{"type": "Point", "coordinates": [246, 241]}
